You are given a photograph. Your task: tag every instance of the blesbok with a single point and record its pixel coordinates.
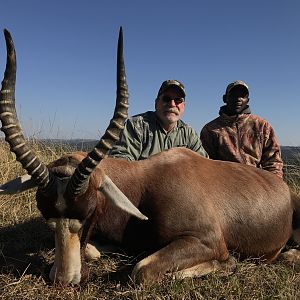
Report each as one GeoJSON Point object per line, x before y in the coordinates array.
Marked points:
{"type": "Point", "coordinates": [198, 209]}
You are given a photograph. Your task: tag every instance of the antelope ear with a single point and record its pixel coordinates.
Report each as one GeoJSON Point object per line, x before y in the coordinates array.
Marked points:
{"type": "Point", "coordinates": [116, 197]}
{"type": "Point", "coordinates": [17, 185]}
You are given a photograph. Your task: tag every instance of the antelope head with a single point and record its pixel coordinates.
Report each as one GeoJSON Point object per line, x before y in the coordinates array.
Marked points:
{"type": "Point", "coordinates": [66, 188]}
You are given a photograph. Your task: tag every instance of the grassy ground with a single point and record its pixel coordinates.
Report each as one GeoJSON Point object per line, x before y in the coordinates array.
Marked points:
{"type": "Point", "coordinates": [27, 250]}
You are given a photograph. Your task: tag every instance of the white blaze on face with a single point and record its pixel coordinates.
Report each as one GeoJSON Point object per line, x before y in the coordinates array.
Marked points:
{"type": "Point", "coordinates": [67, 263]}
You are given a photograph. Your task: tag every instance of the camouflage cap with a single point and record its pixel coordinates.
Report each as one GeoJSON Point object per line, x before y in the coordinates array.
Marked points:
{"type": "Point", "coordinates": [167, 83]}
{"type": "Point", "coordinates": [231, 85]}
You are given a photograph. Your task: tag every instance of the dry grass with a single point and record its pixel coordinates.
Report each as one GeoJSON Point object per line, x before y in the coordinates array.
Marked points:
{"type": "Point", "coordinates": [27, 249]}
{"type": "Point", "coordinates": [292, 174]}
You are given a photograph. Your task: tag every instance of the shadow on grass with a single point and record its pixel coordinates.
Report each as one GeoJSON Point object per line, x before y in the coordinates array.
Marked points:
{"type": "Point", "coordinates": [24, 248]}
{"type": "Point", "coordinates": [115, 268]}
{"type": "Point", "coordinates": [28, 248]}
{"type": "Point", "coordinates": [120, 276]}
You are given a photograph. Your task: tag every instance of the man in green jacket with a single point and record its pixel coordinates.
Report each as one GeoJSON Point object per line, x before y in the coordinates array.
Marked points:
{"type": "Point", "coordinates": [238, 135]}
{"type": "Point", "coordinates": [155, 131]}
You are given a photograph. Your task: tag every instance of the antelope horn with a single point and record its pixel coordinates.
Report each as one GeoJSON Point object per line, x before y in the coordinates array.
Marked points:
{"type": "Point", "coordinates": [10, 124]}
{"type": "Point", "coordinates": [79, 180]}
{"type": "Point", "coordinates": [117, 198]}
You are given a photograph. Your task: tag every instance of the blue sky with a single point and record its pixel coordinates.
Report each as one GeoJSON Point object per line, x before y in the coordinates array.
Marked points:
{"type": "Point", "coordinates": [66, 55]}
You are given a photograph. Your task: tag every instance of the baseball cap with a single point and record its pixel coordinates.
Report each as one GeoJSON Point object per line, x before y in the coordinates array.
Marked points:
{"type": "Point", "coordinates": [231, 85]}
{"type": "Point", "coordinates": [167, 83]}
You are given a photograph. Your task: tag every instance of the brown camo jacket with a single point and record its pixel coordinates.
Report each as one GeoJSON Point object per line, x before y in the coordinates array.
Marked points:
{"type": "Point", "coordinates": [246, 139]}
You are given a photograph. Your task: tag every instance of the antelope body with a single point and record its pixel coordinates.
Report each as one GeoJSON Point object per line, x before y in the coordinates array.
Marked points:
{"type": "Point", "coordinates": [198, 209]}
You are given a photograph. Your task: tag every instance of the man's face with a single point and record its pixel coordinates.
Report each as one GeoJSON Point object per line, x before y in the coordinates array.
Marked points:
{"type": "Point", "coordinates": [237, 99]}
{"type": "Point", "coordinates": [170, 107]}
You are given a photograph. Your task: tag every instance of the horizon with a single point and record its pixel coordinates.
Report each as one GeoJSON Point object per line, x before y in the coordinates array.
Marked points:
{"type": "Point", "coordinates": [66, 60]}
{"type": "Point", "coordinates": [89, 140]}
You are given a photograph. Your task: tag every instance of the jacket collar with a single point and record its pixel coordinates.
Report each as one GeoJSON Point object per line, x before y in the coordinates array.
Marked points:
{"type": "Point", "coordinates": [223, 113]}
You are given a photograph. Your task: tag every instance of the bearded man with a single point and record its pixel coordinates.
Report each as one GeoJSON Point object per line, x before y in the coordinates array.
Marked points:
{"type": "Point", "coordinates": [155, 131]}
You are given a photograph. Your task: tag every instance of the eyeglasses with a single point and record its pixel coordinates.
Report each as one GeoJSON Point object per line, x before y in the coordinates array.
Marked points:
{"type": "Point", "coordinates": [177, 100]}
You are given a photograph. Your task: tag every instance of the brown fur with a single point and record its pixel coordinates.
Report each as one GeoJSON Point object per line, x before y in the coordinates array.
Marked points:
{"type": "Point", "coordinates": [198, 210]}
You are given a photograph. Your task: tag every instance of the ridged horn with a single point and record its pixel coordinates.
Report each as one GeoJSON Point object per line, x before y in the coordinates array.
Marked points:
{"type": "Point", "coordinates": [79, 180]}
{"type": "Point", "coordinates": [10, 124]}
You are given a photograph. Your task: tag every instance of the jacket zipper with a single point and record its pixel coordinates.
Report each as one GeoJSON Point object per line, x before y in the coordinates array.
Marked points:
{"type": "Point", "coordinates": [239, 141]}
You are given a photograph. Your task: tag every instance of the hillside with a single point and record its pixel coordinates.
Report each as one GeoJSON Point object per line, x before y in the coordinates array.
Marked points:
{"type": "Point", "coordinates": [288, 152]}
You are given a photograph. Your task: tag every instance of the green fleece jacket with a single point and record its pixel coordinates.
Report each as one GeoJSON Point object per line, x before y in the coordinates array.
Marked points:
{"type": "Point", "coordinates": [143, 136]}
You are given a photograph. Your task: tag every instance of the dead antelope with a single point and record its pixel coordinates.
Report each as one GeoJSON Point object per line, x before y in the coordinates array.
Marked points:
{"type": "Point", "coordinates": [198, 209]}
